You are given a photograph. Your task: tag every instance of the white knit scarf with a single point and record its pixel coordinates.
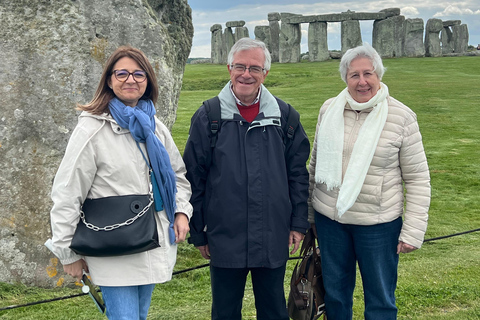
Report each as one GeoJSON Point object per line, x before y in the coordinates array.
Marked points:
{"type": "Point", "coordinates": [330, 136]}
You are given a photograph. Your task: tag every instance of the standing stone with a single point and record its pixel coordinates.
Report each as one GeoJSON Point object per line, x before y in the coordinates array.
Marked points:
{"type": "Point", "coordinates": [317, 41]}
{"type": "Point", "coordinates": [262, 33]}
{"type": "Point", "coordinates": [446, 36]}
{"type": "Point", "coordinates": [413, 40]}
{"type": "Point", "coordinates": [290, 38]}
{"type": "Point", "coordinates": [51, 56]}
{"type": "Point", "coordinates": [229, 41]}
{"type": "Point", "coordinates": [432, 38]}
{"type": "Point", "coordinates": [241, 32]}
{"type": "Point", "coordinates": [351, 34]}
{"type": "Point", "coordinates": [273, 18]}
{"type": "Point", "coordinates": [387, 36]}
{"type": "Point", "coordinates": [216, 45]}
{"type": "Point", "coordinates": [460, 38]}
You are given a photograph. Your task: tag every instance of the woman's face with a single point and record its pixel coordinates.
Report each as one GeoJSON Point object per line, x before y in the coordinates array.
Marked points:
{"type": "Point", "coordinates": [130, 90]}
{"type": "Point", "coordinates": [362, 82]}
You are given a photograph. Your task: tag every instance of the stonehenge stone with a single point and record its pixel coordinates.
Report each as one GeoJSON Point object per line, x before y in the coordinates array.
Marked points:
{"type": "Point", "coordinates": [446, 38]}
{"type": "Point", "coordinates": [216, 43]}
{"type": "Point", "coordinates": [262, 33]}
{"type": "Point", "coordinates": [432, 38]}
{"type": "Point", "coordinates": [290, 38]}
{"type": "Point", "coordinates": [51, 56]}
{"type": "Point", "coordinates": [241, 32]}
{"type": "Point", "coordinates": [451, 23]}
{"type": "Point", "coordinates": [413, 40]}
{"type": "Point", "coordinates": [317, 41]}
{"type": "Point", "coordinates": [234, 24]}
{"type": "Point", "coordinates": [460, 38]}
{"type": "Point", "coordinates": [392, 35]}
{"type": "Point", "coordinates": [274, 16]}
{"type": "Point", "coordinates": [387, 36]}
{"type": "Point", "coordinates": [229, 41]}
{"type": "Point", "coordinates": [274, 25]}
{"type": "Point", "coordinates": [351, 34]}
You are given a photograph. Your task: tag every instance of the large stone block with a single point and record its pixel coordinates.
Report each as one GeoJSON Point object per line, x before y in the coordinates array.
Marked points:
{"type": "Point", "coordinates": [274, 38]}
{"type": "Point", "coordinates": [51, 57]}
{"type": "Point", "coordinates": [351, 34]}
{"type": "Point", "coordinates": [432, 38]}
{"type": "Point", "coordinates": [217, 44]}
{"type": "Point", "coordinates": [413, 40]}
{"type": "Point", "coordinates": [387, 36]}
{"type": "Point", "coordinates": [460, 38]}
{"type": "Point", "coordinates": [262, 33]}
{"type": "Point", "coordinates": [317, 41]}
{"type": "Point", "coordinates": [289, 41]}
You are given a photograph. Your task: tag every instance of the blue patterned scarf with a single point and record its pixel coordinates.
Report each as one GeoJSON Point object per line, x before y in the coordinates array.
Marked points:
{"type": "Point", "coordinates": [140, 121]}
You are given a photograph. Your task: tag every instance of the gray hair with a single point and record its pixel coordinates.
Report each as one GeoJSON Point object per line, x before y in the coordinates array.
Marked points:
{"type": "Point", "coordinates": [363, 51]}
{"type": "Point", "coordinates": [248, 44]}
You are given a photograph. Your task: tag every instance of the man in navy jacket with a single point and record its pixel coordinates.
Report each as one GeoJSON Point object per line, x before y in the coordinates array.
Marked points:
{"type": "Point", "coordinates": [250, 190]}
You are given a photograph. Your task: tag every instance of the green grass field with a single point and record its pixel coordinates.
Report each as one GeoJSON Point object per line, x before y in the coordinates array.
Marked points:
{"type": "Point", "coordinates": [440, 281]}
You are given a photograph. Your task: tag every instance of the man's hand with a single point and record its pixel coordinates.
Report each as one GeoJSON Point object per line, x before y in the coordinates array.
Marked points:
{"type": "Point", "coordinates": [204, 251]}
{"type": "Point", "coordinates": [180, 226]}
{"type": "Point", "coordinates": [295, 239]}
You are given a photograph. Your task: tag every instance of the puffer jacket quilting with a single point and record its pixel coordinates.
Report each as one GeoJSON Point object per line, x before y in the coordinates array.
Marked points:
{"type": "Point", "coordinates": [399, 162]}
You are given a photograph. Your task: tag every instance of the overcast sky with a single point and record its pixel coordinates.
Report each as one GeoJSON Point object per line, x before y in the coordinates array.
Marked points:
{"type": "Point", "coordinates": [206, 13]}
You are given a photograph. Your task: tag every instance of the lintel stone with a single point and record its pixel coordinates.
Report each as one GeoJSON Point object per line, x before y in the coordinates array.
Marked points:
{"type": "Point", "coordinates": [338, 17]}
{"type": "Point", "coordinates": [450, 23]}
{"type": "Point", "coordinates": [233, 24]}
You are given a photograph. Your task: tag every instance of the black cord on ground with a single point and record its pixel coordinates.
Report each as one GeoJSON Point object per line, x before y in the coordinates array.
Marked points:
{"type": "Point", "coordinates": [190, 269]}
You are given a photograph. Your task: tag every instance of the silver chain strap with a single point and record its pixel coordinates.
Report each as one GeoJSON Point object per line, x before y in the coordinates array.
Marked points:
{"type": "Point", "coordinates": [117, 225]}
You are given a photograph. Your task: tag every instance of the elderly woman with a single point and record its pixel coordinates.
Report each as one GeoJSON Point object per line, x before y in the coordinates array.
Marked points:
{"type": "Point", "coordinates": [369, 188]}
{"type": "Point", "coordinates": [118, 140]}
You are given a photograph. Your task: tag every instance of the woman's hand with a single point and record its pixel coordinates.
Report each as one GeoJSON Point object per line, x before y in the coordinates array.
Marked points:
{"type": "Point", "coordinates": [76, 269]}
{"type": "Point", "coordinates": [180, 226]}
{"type": "Point", "coordinates": [405, 248]}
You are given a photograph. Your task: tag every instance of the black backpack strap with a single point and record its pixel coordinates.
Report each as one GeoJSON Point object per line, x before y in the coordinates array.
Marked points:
{"type": "Point", "coordinates": [291, 124]}
{"type": "Point", "coordinates": [212, 106]}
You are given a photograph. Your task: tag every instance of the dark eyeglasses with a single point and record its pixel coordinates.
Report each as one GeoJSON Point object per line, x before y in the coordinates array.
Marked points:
{"type": "Point", "coordinates": [122, 75]}
{"type": "Point", "coordinates": [241, 68]}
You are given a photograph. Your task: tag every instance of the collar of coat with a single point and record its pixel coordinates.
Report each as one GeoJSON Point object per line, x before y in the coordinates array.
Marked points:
{"type": "Point", "coordinates": [269, 111]}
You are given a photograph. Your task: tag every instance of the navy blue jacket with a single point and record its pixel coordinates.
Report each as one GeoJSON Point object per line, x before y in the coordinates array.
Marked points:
{"type": "Point", "coordinates": [248, 192]}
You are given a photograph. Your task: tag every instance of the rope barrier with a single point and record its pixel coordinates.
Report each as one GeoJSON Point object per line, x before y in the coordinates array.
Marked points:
{"type": "Point", "coordinates": [195, 268]}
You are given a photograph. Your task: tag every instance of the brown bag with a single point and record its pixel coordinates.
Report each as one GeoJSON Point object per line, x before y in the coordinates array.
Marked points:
{"type": "Point", "coordinates": [306, 298]}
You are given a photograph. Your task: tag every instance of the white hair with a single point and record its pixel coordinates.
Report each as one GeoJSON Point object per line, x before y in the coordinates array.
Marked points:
{"type": "Point", "coordinates": [363, 51]}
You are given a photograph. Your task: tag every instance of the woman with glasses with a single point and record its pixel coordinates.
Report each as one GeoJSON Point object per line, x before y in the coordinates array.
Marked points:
{"type": "Point", "coordinates": [117, 140]}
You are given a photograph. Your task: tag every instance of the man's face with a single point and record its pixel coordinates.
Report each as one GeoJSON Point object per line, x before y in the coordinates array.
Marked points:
{"type": "Point", "coordinates": [247, 83]}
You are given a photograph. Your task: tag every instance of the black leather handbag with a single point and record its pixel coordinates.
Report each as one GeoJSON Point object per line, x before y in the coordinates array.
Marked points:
{"type": "Point", "coordinates": [114, 226]}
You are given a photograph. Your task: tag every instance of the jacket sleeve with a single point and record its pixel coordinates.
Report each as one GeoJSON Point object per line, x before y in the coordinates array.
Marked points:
{"type": "Point", "coordinates": [416, 177]}
{"type": "Point", "coordinates": [196, 156]}
{"type": "Point", "coordinates": [70, 188]}
{"type": "Point", "coordinates": [296, 159]}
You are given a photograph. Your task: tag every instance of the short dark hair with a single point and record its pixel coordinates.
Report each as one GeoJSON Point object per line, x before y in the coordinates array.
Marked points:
{"type": "Point", "coordinates": [104, 94]}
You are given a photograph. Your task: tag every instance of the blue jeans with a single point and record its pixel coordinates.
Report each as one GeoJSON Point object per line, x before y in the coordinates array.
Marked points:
{"type": "Point", "coordinates": [375, 249]}
{"type": "Point", "coordinates": [228, 287]}
{"type": "Point", "coordinates": [127, 303]}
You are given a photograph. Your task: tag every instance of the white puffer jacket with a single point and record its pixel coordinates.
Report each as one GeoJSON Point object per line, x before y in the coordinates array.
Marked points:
{"type": "Point", "coordinates": [399, 161]}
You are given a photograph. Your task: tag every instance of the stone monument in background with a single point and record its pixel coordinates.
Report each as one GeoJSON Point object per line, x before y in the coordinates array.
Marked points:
{"type": "Point", "coordinates": [51, 57]}
{"type": "Point", "coordinates": [392, 35]}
